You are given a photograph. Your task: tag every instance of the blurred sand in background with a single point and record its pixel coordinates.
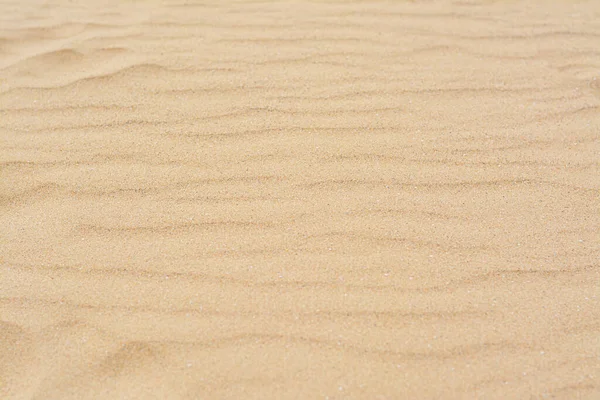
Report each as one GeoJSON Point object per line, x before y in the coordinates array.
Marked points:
{"type": "Point", "coordinates": [343, 200]}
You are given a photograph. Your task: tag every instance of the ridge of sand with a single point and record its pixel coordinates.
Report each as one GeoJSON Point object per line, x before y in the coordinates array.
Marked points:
{"type": "Point", "coordinates": [300, 200]}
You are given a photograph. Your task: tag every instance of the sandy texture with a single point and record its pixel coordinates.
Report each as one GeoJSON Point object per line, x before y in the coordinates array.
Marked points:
{"type": "Point", "coordinates": [343, 200]}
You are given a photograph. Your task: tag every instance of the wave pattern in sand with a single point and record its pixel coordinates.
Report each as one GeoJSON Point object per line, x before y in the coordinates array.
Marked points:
{"type": "Point", "coordinates": [300, 200]}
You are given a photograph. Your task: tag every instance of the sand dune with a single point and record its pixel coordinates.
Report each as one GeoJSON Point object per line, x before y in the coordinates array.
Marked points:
{"type": "Point", "coordinates": [335, 200]}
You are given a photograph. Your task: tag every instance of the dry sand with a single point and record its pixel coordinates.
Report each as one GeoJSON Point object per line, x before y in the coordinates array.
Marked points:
{"type": "Point", "coordinates": [343, 200]}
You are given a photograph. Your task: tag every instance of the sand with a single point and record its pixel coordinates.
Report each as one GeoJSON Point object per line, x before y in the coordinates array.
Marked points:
{"type": "Point", "coordinates": [298, 200]}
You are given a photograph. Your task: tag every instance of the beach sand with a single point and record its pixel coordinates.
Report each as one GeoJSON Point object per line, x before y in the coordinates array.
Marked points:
{"type": "Point", "coordinates": [298, 200]}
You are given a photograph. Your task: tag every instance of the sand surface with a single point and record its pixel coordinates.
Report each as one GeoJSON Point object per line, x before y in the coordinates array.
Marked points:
{"type": "Point", "coordinates": [298, 200]}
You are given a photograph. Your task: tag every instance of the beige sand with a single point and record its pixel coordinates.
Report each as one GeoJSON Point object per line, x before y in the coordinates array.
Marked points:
{"type": "Point", "coordinates": [343, 200]}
